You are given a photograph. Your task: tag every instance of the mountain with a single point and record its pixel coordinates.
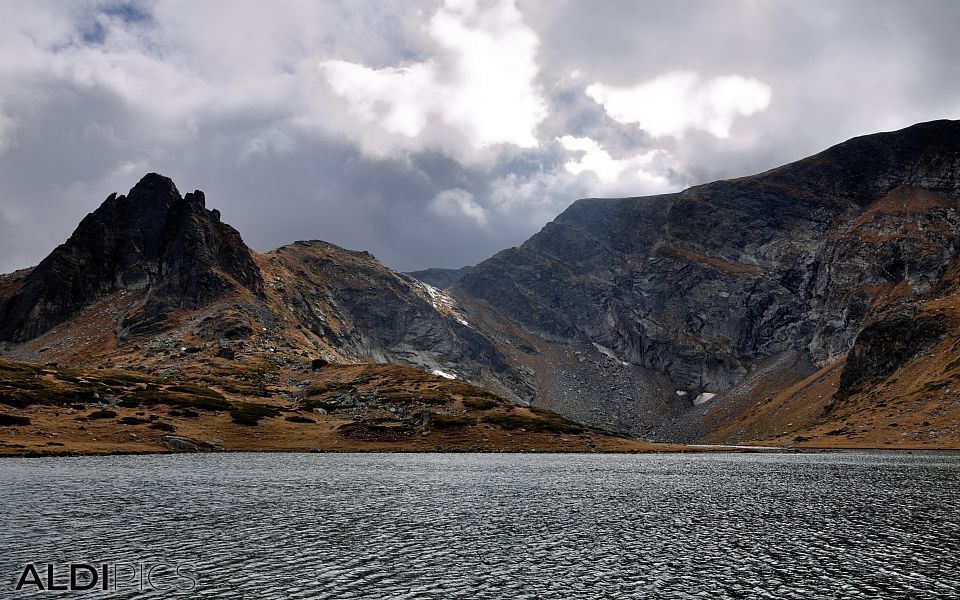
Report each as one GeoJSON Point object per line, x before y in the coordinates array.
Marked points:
{"type": "Point", "coordinates": [155, 328]}
{"type": "Point", "coordinates": [814, 304]}
{"type": "Point", "coordinates": [170, 248]}
{"type": "Point", "coordinates": [150, 274]}
{"type": "Point", "coordinates": [675, 315]}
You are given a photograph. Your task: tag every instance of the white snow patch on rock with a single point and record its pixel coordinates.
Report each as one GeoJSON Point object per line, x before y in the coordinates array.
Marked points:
{"type": "Point", "coordinates": [440, 301]}
{"type": "Point", "coordinates": [610, 354]}
{"type": "Point", "coordinates": [444, 374]}
{"type": "Point", "coordinates": [703, 398]}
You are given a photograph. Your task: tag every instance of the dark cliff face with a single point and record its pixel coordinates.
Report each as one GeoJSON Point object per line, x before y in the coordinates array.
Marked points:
{"type": "Point", "coordinates": [152, 240]}
{"type": "Point", "coordinates": [705, 285]}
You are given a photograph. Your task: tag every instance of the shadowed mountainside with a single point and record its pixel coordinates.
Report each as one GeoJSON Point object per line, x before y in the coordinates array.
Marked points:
{"type": "Point", "coordinates": [688, 304]}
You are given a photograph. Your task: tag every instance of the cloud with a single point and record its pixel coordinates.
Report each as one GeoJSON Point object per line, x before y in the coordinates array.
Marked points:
{"type": "Point", "coordinates": [436, 97]}
{"type": "Point", "coordinates": [674, 102]}
{"type": "Point", "coordinates": [480, 83]}
{"type": "Point", "coordinates": [6, 130]}
{"type": "Point", "coordinates": [457, 203]}
{"type": "Point", "coordinates": [608, 169]}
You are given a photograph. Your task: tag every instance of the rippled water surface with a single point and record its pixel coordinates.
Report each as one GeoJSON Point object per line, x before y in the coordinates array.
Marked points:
{"type": "Point", "coordinates": [852, 525]}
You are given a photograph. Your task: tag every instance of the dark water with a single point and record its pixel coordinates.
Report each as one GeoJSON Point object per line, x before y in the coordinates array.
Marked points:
{"type": "Point", "coordinates": [493, 526]}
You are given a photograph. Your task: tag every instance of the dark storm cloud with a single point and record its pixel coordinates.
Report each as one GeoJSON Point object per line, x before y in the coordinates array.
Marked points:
{"type": "Point", "coordinates": [410, 157]}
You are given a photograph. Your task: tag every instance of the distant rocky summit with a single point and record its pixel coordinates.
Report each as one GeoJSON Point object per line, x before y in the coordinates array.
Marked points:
{"type": "Point", "coordinates": [813, 304]}
{"type": "Point", "coordinates": [440, 278]}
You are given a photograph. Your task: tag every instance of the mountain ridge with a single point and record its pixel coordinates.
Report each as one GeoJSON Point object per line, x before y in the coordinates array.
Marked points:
{"type": "Point", "coordinates": [681, 316]}
{"type": "Point", "coordinates": [791, 251]}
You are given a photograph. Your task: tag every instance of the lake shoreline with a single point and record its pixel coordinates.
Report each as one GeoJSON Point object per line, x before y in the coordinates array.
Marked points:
{"type": "Point", "coordinates": [683, 449]}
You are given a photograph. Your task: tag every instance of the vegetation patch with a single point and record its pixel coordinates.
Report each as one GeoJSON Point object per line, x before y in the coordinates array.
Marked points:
{"type": "Point", "coordinates": [432, 396]}
{"type": "Point", "coordinates": [462, 388]}
{"type": "Point", "coordinates": [196, 390]}
{"type": "Point", "coordinates": [62, 396]}
{"type": "Point", "coordinates": [10, 368]}
{"type": "Point", "coordinates": [181, 400]}
{"type": "Point", "coordinates": [21, 385]}
{"type": "Point", "coordinates": [474, 403]}
{"type": "Point", "coordinates": [16, 400]}
{"type": "Point", "coordinates": [384, 430]}
{"type": "Point", "coordinates": [209, 404]}
{"type": "Point", "coordinates": [13, 420]}
{"type": "Point", "coordinates": [451, 421]}
{"type": "Point", "coordinates": [299, 419]}
{"type": "Point", "coordinates": [546, 421]}
{"type": "Point", "coordinates": [163, 427]}
{"type": "Point", "coordinates": [123, 378]}
{"type": "Point", "coordinates": [250, 414]}
{"type": "Point", "coordinates": [243, 388]}
{"type": "Point", "coordinates": [103, 413]}
{"type": "Point", "coordinates": [329, 387]}
{"type": "Point", "coordinates": [935, 386]}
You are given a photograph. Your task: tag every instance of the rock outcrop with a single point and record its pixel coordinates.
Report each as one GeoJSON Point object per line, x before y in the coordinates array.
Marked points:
{"type": "Point", "coordinates": [154, 242]}
{"type": "Point", "coordinates": [350, 301]}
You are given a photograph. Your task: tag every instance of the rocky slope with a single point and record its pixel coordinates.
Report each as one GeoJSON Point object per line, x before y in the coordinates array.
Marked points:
{"type": "Point", "coordinates": [154, 280]}
{"type": "Point", "coordinates": [670, 315]}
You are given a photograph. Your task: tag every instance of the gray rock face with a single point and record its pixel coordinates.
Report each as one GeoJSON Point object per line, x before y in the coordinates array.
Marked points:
{"type": "Point", "coordinates": [185, 444]}
{"type": "Point", "coordinates": [364, 309]}
{"type": "Point", "coordinates": [691, 292]}
{"type": "Point", "coordinates": [887, 343]}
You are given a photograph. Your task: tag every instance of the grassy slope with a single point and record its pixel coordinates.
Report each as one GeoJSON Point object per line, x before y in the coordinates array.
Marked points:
{"type": "Point", "coordinates": [370, 407]}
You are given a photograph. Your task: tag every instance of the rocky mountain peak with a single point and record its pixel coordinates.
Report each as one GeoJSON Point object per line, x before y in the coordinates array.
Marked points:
{"type": "Point", "coordinates": [152, 241]}
{"type": "Point", "coordinates": [154, 187]}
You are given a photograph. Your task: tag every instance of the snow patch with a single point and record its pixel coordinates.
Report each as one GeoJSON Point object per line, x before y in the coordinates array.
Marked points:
{"type": "Point", "coordinates": [444, 374]}
{"type": "Point", "coordinates": [610, 354]}
{"type": "Point", "coordinates": [441, 302]}
{"type": "Point", "coordinates": [703, 398]}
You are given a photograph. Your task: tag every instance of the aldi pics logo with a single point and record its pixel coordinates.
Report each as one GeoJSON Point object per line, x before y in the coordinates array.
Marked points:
{"type": "Point", "coordinates": [81, 577]}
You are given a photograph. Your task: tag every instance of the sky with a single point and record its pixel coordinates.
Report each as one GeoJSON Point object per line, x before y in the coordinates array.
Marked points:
{"type": "Point", "coordinates": [436, 133]}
